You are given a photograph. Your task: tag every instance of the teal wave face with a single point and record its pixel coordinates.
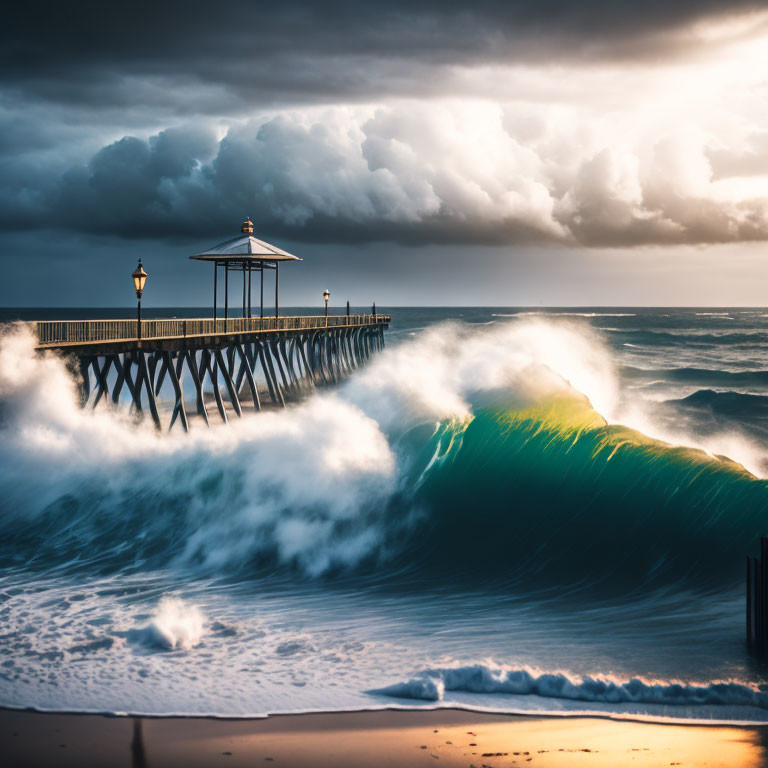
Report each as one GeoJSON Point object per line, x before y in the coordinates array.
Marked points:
{"type": "Point", "coordinates": [554, 493]}
{"type": "Point", "coordinates": [549, 495]}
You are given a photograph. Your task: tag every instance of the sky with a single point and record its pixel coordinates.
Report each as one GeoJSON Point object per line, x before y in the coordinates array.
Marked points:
{"type": "Point", "coordinates": [427, 152]}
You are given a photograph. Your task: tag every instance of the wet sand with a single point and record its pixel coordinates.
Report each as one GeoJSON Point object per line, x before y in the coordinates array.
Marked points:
{"type": "Point", "coordinates": [372, 739]}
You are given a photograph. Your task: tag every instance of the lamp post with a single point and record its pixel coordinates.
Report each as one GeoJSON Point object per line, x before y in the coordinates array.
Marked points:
{"type": "Point", "coordinates": [139, 278]}
{"type": "Point", "coordinates": [326, 296]}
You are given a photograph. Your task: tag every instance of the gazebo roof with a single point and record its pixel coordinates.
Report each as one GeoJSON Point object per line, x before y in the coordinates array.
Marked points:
{"type": "Point", "coordinates": [245, 248]}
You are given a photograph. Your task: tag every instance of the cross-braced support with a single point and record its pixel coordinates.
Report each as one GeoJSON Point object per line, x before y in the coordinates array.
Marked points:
{"type": "Point", "coordinates": [233, 374]}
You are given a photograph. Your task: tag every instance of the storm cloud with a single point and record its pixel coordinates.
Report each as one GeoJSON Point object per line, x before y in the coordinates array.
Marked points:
{"type": "Point", "coordinates": [475, 172]}
{"type": "Point", "coordinates": [201, 56]}
{"type": "Point", "coordinates": [590, 124]}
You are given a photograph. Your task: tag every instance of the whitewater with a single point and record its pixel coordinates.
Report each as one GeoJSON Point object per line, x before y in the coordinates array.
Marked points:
{"type": "Point", "coordinates": [514, 511]}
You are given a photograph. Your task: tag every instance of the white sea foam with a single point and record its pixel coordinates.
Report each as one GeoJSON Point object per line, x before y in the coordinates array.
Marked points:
{"type": "Point", "coordinates": [574, 314]}
{"type": "Point", "coordinates": [76, 646]}
{"type": "Point", "coordinates": [297, 481]}
{"type": "Point", "coordinates": [432, 685]}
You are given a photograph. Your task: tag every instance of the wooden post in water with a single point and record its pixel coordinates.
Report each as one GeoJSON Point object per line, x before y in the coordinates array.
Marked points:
{"type": "Point", "coordinates": [749, 603]}
{"type": "Point", "coordinates": [757, 601]}
{"type": "Point", "coordinates": [763, 592]}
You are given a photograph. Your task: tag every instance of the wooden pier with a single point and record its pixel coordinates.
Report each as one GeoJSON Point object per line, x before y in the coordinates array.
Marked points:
{"type": "Point", "coordinates": [233, 362]}
{"type": "Point", "coordinates": [239, 360]}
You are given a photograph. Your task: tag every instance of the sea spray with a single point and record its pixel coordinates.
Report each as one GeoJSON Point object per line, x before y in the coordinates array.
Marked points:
{"type": "Point", "coordinates": [442, 373]}
{"type": "Point", "coordinates": [175, 625]}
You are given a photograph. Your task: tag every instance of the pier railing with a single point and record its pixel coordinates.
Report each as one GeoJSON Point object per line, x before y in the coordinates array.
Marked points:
{"type": "Point", "coordinates": [56, 333]}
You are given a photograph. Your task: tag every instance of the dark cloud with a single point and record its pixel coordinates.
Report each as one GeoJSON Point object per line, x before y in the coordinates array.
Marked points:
{"type": "Point", "coordinates": [404, 173]}
{"type": "Point", "coordinates": [88, 89]}
{"type": "Point", "coordinates": [150, 52]}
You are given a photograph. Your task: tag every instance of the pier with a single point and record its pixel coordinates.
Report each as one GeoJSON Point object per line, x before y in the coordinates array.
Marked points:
{"type": "Point", "coordinates": [215, 367]}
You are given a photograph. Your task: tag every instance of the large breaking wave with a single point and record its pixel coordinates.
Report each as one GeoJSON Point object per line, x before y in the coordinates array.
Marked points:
{"type": "Point", "coordinates": [498, 451]}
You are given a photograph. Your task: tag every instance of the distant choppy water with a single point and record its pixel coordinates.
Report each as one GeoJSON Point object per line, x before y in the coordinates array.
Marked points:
{"type": "Point", "coordinates": [518, 510]}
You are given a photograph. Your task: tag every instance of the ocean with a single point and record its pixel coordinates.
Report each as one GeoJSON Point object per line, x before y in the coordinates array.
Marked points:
{"type": "Point", "coordinates": [512, 510]}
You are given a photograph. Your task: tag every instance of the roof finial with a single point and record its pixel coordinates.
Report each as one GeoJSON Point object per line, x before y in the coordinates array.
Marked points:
{"type": "Point", "coordinates": [247, 227]}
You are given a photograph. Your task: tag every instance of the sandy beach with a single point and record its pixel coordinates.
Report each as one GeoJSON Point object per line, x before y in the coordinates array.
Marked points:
{"type": "Point", "coordinates": [376, 739]}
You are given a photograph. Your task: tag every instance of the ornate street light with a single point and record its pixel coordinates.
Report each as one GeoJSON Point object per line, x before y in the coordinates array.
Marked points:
{"type": "Point", "coordinates": [139, 278]}
{"type": "Point", "coordinates": [326, 296]}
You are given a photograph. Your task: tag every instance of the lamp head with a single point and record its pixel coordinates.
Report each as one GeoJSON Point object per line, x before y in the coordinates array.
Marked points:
{"type": "Point", "coordinates": [139, 278]}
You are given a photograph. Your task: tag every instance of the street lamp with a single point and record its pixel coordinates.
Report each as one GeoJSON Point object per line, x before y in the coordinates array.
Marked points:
{"type": "Point", "coordinates": [326, 296]}
{"type": "Point", "coordinates": [139, 278]}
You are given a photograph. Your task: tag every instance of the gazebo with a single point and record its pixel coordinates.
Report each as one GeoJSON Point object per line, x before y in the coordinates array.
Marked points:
{"type": "Point", "coordinates": [245, 254]}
